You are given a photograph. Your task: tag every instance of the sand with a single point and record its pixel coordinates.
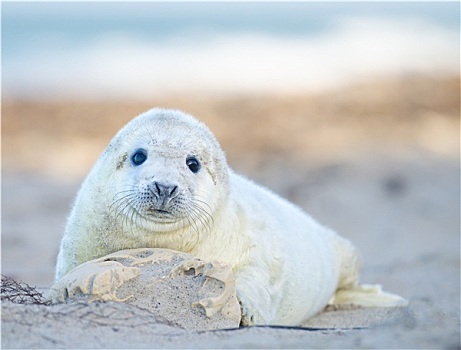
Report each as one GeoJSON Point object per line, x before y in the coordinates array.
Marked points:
{"type": "Point", "coordinates": [378, 162]}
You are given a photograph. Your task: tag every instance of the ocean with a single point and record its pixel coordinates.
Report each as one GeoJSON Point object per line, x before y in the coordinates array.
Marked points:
{"type": "Point", "coordinates": [131, 50]}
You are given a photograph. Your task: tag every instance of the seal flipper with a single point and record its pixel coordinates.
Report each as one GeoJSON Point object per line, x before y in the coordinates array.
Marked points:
{"type": "Point", "coordinates": [367, 295]}
{"type": "Point", "coordinates": [349, 291]}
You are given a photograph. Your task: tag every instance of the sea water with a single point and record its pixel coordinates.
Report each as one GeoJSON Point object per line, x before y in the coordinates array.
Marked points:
{"type": "Point", "coordinates": [130, 50]}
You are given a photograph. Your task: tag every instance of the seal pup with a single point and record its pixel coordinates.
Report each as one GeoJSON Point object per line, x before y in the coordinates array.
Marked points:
{"type": "Point", "coordinates": [163, 182]}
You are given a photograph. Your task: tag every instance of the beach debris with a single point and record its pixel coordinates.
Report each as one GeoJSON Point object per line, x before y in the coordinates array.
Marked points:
{"type": "Point", "coordinates": [21, 293]}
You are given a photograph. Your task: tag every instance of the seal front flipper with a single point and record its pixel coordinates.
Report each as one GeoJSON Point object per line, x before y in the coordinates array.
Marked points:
{"type": "Point", "coordinates": [367, 295]}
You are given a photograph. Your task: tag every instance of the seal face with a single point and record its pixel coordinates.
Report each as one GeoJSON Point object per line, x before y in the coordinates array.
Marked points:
{"type": "Point", "coordinates": [163, 182]}
{"type": "Point", "coordinates": [166, 175]}
{"type": "Point", "coordinates": [156, 197]}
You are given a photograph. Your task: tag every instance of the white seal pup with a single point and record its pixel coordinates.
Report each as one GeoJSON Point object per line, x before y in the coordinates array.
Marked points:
{"type": "Point", "coordinates": [163, 182]}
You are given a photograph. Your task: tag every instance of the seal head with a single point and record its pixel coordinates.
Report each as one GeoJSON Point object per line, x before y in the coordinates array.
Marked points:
{"type": "Point", "coordinates": [163, 173]}
{"type": "Point", "coordinates": [167, 167]}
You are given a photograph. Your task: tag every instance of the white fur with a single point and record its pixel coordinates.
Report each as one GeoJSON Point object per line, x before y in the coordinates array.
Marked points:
{"type": "Point", "coordinates": [287, 266]}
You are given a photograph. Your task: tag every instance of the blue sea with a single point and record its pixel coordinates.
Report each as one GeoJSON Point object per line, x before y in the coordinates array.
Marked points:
{"type": "Point", "coordinates": [128, 50]}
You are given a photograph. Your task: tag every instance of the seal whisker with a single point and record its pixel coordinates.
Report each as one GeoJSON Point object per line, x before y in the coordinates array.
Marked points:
{"type": "Point", "coordinates": [150, 131]}
{"type": "Point", "coordinates": [146, 138]}
{"type": "Point", "coordinates": [132, 217]}
{"type": "Point", "coordinates": [184, 136]}
{"type": "Point", "coordinates": [125, 213]}
{"type": "Point", "coordinates": [120, 201]}
{"type": "Point", "coordinates": [132, 190]}
{"type": "Point", "coordinates": [117, 208]}
{"type": "Point", "coordinates": [188, 144]}
{"type": "Point", "coordinates": [203, 219]}
{"type": "Point", "coordinates": [133, 220]}
{"type": "Point", "coordinates": [207, 217]}
{"type": "Point", "coordinates": [126, 209]}
{"type": "Point", "coordinates": [123, 194]}
{"type": "Point", "coordinates": [194, 228]}
{"type": "Point", "coordinates": [203, 210]}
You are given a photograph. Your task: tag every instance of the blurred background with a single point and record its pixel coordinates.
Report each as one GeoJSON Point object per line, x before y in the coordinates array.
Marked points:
{"type": "Point", "coordinates": [350, 110]}
{"type": "Point", "coordinates": [144, 50]}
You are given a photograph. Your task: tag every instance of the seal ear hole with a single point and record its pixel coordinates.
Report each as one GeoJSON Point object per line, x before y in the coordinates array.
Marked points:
{"type": "Point", "coordinates": [139, 157]}
{"type": "Point", "coordinates": [193, 164]}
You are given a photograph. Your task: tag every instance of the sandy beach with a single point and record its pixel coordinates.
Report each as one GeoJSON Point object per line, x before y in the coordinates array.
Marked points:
{"type": "Point", "coordinates": [378, 162]}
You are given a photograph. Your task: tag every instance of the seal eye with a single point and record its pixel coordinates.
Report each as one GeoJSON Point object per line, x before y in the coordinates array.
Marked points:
{"type": "Point", "coordinates": [193, 164]}
{"type": "Point", "coordinates": [139, 157]}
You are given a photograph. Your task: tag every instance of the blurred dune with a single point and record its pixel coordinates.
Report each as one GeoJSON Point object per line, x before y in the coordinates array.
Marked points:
{"type": "Point", "coordinates": [65, 138]}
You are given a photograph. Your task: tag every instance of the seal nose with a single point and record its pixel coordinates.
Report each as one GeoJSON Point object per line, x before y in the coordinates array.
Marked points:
{"type": "Point", "coordinates": [164, 191]}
